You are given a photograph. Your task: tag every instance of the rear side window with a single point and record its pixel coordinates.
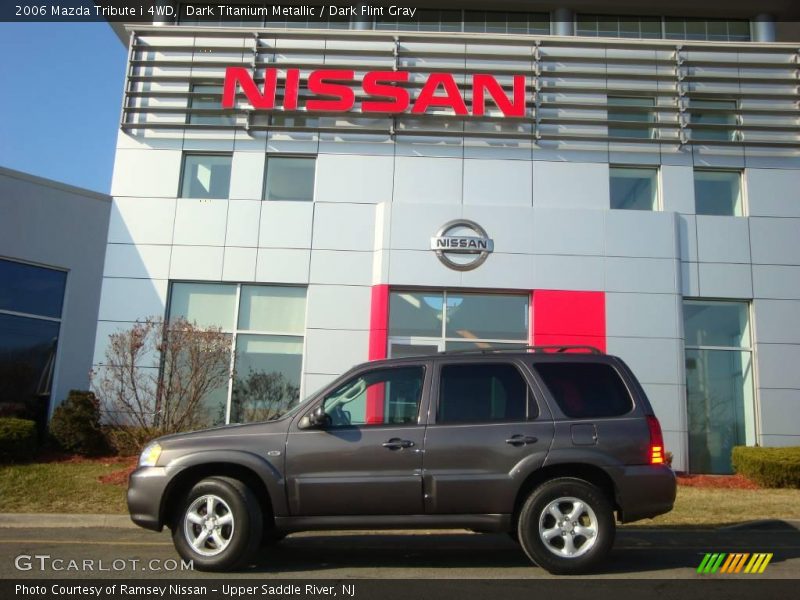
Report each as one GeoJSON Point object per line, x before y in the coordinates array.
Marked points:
{"type": "Point", "coordinates": [586, 390]}
{"type": "Point", "coordinates": [473, 393]}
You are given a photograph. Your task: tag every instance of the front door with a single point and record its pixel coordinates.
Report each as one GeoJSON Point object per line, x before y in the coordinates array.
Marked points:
{"type": "Point", "coordinates": [368, 459]}
{"type": "Point", "coordinates": [488, 433]}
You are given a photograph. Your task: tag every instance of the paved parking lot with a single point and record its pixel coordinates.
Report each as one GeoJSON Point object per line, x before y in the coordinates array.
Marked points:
{"type": "Point", "coordinates": [638, 553]}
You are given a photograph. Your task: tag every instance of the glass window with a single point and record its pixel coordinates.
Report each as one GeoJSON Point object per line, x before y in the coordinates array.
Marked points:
{"type": "Point", "coordinates": [487, 316]}
{"type": "Point", "coordinates": [266, 324]}
{"type": "Point", "coordinates": [207, 97]}
{"type": "Point", "coordinates": [276, 309]}
{"type": "Point", "coordinates": [718, 114]}
{"type": "Point", "coordinates": [716, 324]}
{"type": "Point", "coordinates": [719, 382]}
{"type": "Point", "coordinates": [623, 26]}
{"type": "Point", "coordinates": [207, 304]}
{"type": "Point", "coordinates": [630, 109]}
{"type": "Point", "coordinates": [267, 377]}
{"type": "Point", "coordinates": [206, 176]}
{"type": "Point", "coordinates": [429, 321]}
{"type": "Point", "coordinates": [381, 397]}
{"type": "Point", "coordinates": [737, 30]}
{"type": "Point", "coordinates": [416, 314]}
{"type": "Point", "coordinates": [585, 390]}
{"type": "Point", "coordinates": [634, 188]}
{"type": "Point", "coordinates": [289, 178]}
{"type": "Point", "coordinates": [27, 356]}
{"type": "Point", "coordinates": [718, 193]}
{"type": "Point", "coordinates": [31, 290]}
{"type": "Point", "coordinates": [478, 393]}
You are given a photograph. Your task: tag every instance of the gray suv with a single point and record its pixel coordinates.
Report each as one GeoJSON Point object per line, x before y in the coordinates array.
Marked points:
{"type": "Point", "coordinates": [548, 444]}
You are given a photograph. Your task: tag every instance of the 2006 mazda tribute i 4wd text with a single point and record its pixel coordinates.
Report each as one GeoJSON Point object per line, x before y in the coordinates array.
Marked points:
{"type": "Point", "coordinates": [549, 444]}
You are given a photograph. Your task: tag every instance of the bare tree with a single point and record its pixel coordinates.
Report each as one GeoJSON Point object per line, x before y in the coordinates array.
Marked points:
{"type": "Point", "coordinates": [135, 394]}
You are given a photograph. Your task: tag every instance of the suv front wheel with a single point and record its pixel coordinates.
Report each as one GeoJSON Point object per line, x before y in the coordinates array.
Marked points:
{"type": "Point", "coordinates": [566, 526]}
{"type": "Point", "coordinates": [219, 525]}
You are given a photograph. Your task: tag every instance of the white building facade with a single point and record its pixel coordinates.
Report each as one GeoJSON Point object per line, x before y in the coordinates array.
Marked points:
{"type": "Point", "coordinates": [647, 202]}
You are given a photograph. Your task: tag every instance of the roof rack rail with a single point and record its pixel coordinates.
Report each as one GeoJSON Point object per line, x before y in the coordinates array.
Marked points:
{"type": "Point", "coordinates": [556, 349]}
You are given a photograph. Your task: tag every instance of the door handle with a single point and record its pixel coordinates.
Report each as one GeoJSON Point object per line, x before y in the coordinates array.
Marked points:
{"type": "Point", "coordinates": [521, 440]}
{"type": "Point", "coordinates": [397, 444]}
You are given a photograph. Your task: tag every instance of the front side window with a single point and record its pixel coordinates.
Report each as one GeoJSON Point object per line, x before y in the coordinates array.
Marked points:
{"type": "Point", "coordinates": [634, 188]}
{"type": "Point", "coordinates": [719, 382]}
{"type": "Point", "coordinates": [481, 393]}
{"type": "Point", "coordinates": [718, 193]}
{"type": "Point", "coordinates": [266, 325]}
{"type": "Point", "coordinates": [290, 178]}
{"type": "Point", "coordinates": [381, 397]}
{"type": "Point", "coordinates": [633, 110]}
{"type": "Point", "coordinates": [586, 390]}
{"type": "Point", "coordinates": [206, 176]}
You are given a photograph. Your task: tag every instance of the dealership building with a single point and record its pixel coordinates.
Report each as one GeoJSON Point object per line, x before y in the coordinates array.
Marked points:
{"type": "Point", "coordinates": [586, 173]}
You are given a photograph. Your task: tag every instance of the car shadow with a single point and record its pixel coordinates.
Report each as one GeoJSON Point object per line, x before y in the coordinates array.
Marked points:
{"type": "Point", "coordinates": [635, 551]}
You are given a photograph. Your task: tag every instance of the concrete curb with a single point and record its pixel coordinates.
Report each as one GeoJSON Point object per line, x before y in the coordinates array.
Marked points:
{"type": "Point", "coordinates": [45, 520]}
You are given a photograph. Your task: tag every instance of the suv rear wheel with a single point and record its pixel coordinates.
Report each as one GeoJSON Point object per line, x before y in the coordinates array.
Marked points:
{"type": "Point", "coordinates": [566, 526]}
{"type": "Point", "coordinates": [219, 525]}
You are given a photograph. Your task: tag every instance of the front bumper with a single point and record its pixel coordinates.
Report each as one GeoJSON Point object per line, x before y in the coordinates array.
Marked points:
{"type": "Point", "coordinates": [645, 492]}
{"type": "Point", "coordinates": [146, 489]}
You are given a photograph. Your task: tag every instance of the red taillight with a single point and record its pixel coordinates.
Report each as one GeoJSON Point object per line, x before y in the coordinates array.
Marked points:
{"type": "Point", "coordinates": [656, 456]}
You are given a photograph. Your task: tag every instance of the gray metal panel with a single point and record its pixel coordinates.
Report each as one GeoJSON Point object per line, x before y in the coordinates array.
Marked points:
{"type": "Point", "coordinates": [568, 231]}
{"type": "Point", "coordinates": [777, 321]}
{"type": "Point", "coordinates": [677, 186]}
{"type": "Point", "coordinates": [773, 192]}
{"type": "Point", "coordinates": [641, 234]}
{"type": "Point", "coordinates": [770, 281]}
{"type": "Point", "coordinates": [687, 234]}
{"type": "Point", "coordinates": [642, 315]}
{"type": "Point", "coordinates": [777, 365]}
{"type": "Point", "coordinates": [774, 241]}
{"type": "Point", "coordinates": [720, 280]}
{"type": "Point", "coordinates": [723, 239]}
{"type": "Point", "coordinates": [645, 275]}
{"type": "Point", "coordinates": [779, 409]}
{"type": "Point", "coordinates": [652, 360]}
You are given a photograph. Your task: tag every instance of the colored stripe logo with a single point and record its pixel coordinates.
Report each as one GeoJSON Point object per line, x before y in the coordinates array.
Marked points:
{"type": "Point", "coordinates": [737, 562]}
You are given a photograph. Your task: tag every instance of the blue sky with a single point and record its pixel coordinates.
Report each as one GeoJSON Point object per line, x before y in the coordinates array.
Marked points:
{"type": "Point", "coordinates": [60, 104]}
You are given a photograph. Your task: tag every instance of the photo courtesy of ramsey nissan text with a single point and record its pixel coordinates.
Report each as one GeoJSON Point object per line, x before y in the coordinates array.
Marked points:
{"type": "Point", "coordinates": [385, 300]}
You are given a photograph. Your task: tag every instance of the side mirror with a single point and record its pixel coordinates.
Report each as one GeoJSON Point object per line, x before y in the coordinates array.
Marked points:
{"type": "Point", "coordinates": [315, 419]}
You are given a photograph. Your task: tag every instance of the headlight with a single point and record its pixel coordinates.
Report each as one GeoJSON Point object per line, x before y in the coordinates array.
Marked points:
{"type": "Point", "coordinates": [150, 455]}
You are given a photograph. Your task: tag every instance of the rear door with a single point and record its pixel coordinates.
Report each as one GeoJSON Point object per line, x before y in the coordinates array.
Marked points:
{"type": "Point", "coordinates": [488, 429]}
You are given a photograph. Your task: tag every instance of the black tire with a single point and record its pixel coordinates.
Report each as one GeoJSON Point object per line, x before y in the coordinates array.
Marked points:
{"type": "Point", "coordinates": [238, 535]}
{"type": "Point", "coordinates": [593, 525]}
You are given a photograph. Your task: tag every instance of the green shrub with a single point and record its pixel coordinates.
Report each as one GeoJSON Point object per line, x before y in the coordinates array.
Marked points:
{"type": "Point", "coordinates": [127, 441]}
{"type": "Point", "coordinates": [76, 424]}
{"type": "Point", "coordinates": [17, 439]}
{"type": "Point", "coordinates": [768, 467]}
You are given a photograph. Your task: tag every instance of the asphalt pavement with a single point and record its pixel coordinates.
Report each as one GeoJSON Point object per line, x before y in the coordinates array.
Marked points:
{"type": "Point", "coordinates": [108, 551]}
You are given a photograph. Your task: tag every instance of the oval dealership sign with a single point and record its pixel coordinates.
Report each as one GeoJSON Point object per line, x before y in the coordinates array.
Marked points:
{"type": "Point", "coordinates": [458, 250]}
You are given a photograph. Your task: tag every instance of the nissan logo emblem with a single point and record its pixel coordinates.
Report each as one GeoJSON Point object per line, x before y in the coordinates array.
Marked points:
{"type": "Point", "coordinates": [462, 245]}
